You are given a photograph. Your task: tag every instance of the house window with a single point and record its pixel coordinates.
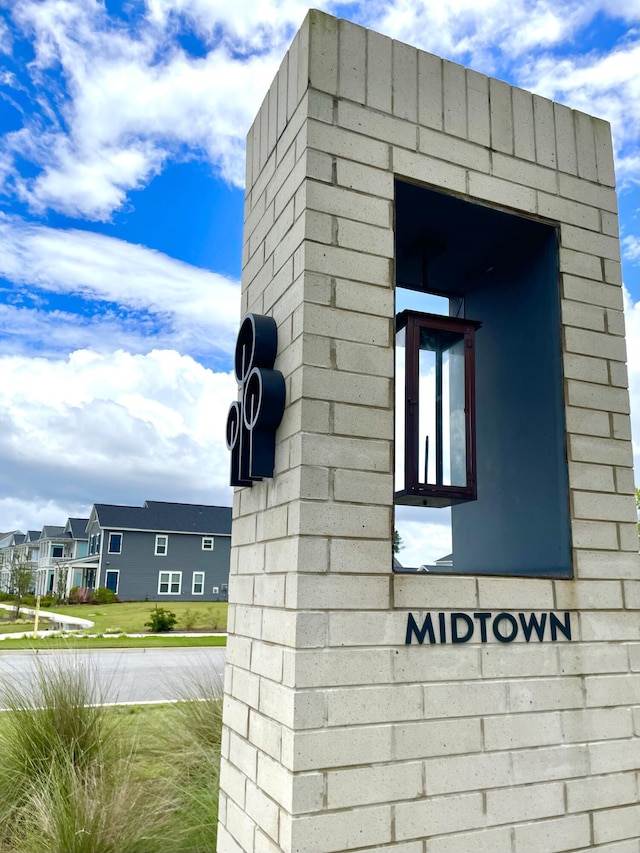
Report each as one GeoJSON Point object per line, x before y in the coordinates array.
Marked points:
{"type": "Point", "coordinates": [115, 543]}
{"type": "Point", "coordinates": [197, 586]}
{"type": "Point", "coordinates": [207, 543]}
{"type": "Point", "coordinates": [57, 551]}
{"type": "Point", "coordinates": [169, 583]}
{"type": "Point", "coordinates": [97, 543]}
{"type": "Point", "coordinates": [111, 580]}
{"type": "Point", "coordinates": [92, 545]}
{"type": "Point", "coordinates": [162, 545]}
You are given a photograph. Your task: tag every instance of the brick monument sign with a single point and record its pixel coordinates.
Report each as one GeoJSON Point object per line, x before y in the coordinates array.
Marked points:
{"type": "Point", "coordinates": [484, 699]}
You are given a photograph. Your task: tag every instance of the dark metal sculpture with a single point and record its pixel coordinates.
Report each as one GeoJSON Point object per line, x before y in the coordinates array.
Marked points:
{"type": "Point", "coordinates": [254, 418]}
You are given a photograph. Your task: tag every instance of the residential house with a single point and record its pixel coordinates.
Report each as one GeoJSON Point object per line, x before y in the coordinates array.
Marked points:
{"type": "Point", "coordinates": [161, 551]}
{"type": "Point", "coordinates": [16, 546]}
{"type": "Point", "coordinates": [58, 547]}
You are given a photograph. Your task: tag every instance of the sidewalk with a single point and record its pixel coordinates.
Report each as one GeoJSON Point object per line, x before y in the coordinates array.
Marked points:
{"type": "Point", "coordinates": [67, 623]}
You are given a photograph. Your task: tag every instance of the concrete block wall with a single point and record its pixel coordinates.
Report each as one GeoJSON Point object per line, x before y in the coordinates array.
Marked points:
{"type": "Point", "coordinates": [337, 735]}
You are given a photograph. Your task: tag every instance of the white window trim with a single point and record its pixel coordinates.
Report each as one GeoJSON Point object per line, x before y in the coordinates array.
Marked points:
{"type": "Point", "coordinates": [166, 545]}
{"type": "Point", "coordinates": [109, 551]}
{"type": "Point", "coordinates": [208, 539]}
{"type": "Point", "coordinates": [57, 545]}
{"type": "Point", "coordinates": [170, 581]}
{"type": "Point", "coordinates": [193, 583]}
{"type": "Point", "coordinates": [117, 571]}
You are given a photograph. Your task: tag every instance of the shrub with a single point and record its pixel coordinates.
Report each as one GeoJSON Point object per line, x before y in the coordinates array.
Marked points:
{"type": "Point", "coordinates": [80, 595]}
{"type": "Point", "coordinates": [190, 618]}
{"type": "Point", "coordinates": [104, 596]}
{"type": "Point", "coordinates": [161, 620]}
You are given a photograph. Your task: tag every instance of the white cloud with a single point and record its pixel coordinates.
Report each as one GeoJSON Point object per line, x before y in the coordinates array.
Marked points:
{"type": "Point", "coordinates": [35, 330]}
{"type": "Point", "coordinates": [602, 85]}
{"type": "Point", "coordinates": [129, 96]}
{"type": "Point", "coordinates": [250, 24]}
{"type": "Point", "coordinates": [115, 428]}
{"type": "Point", "coordinates": [627, 169]}
{"type": "Point", "coordinates": [191, 308]}
{"type": "Point", "coordinates": [628, 10]}
{"type": "Point", "coordinates": [6, 39]}
{"type": "Point", "coordinates": [480, 29]}
{"type": "Point", "coordinates": [17, 514]}
{"type": "Point", "coordinates": [135, 98]}
{"type": "Point", "coordinates": [631, 248]}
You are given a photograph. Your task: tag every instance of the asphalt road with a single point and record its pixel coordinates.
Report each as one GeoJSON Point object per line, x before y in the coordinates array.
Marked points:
{"type": "Point", "coordinates": [122, 675]}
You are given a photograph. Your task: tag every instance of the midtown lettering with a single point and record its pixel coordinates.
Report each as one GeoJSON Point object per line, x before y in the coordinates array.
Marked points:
{"type": "Point", "coordinates": [480, 627]}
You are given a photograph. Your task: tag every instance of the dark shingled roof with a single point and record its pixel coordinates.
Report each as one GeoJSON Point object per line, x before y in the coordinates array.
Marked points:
{"type": "Point", "coordinates": [49, 531]}
{"type": "Point", "coordinates": [168, 517]}
{"type": "Point", "coordinates": [77, 528]}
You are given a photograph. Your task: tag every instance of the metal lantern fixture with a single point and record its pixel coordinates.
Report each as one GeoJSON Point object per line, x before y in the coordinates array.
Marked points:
{"type": "Point", "coordinates": [435, 422]}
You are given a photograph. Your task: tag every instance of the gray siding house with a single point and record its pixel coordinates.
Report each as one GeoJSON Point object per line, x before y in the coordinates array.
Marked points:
{"type": "Point", "coordinates": [158, 552]}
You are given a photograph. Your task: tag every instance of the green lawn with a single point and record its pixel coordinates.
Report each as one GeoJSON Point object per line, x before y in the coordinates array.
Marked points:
{"type": "Point", "coordinates": [19, 627]}
{"type": "Point", "coordinates": [130, 616]}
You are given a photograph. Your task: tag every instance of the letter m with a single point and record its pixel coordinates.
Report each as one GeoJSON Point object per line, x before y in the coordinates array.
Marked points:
{"type": "Point", "coordinates": [420, 633]}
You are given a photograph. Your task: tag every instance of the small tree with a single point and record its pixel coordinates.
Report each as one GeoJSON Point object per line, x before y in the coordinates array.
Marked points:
{"type": "Point", "coordinates": [20, 581]}
{"type": "Point", "coordinates": [62, 576]}
{"type": "Point", "coordinates": [161, 620]}
{"type": "Point", "coordinates": [398, 544]}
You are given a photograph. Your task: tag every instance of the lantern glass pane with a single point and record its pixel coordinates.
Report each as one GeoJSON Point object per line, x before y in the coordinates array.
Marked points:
{"type": "Point", "coordinates": [442, 435]}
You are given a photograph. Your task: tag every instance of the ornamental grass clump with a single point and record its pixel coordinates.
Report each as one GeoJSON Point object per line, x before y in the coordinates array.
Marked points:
{"type": "Point", "coordinates": [197, 769]}
{"type": "Point", "coordinates": [66, 784]}
{"type": "Point", "coordinates": [91, 810]}
{"type": "Point", "coordinates": [56, 719]}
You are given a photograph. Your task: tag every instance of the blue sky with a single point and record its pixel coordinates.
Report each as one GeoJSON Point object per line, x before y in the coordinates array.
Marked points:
{"type": "Point", "coordinates": [121, 195]}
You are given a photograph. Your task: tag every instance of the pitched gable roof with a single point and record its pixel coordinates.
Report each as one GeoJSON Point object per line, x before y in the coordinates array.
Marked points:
{"type": "Point", "coordinates": [76, 528]}
{"type": "Point", "coordinates": [162, 516]}
{"type": "Point", "coordinates": [50, 531]}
